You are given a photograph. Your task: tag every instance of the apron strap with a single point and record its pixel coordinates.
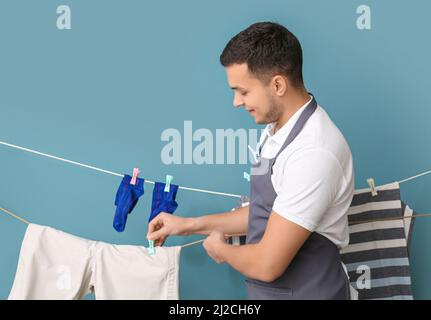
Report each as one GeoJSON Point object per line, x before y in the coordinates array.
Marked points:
{"type": "Point", "coordinates": [300, 123]}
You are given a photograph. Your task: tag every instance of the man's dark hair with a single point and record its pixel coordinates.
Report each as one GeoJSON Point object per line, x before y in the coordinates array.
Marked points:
{"type": "Point", "coordinates": [268, 49]}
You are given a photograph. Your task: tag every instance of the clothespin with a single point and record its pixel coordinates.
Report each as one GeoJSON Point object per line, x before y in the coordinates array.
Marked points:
{"type": "Point", "coordinates": [151, 247]}
{"type": "Point", "coordinates": [244, 201]}
{"type": "Point", "coordinates": [135, 176]}
{"type": "Point", "coordinates": [372, 186]}
{"type": "Point", "coordinates": [258, 149]}
{"type": "Point", "coordinates": [253, 152]}
{"type": "Point", "coordinates": [168, 182]}
{"type": "Point", "coordinates": [246, 176]}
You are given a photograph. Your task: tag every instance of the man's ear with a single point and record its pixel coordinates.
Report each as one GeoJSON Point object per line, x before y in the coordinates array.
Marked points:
{"type": "Point", "coordinates": [280, 85]}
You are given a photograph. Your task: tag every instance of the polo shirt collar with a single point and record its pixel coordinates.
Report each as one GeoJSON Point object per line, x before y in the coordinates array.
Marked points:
{"type": "Point", "coordinates": [281, 135]}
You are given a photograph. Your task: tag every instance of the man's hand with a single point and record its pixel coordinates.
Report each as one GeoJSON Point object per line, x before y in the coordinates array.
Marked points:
{"type": "Point", "coordinates": [166, 224]}
{"type": "Point", "coordinates": [214, 245]}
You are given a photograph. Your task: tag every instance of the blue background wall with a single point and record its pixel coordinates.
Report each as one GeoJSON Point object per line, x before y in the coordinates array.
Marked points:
{"type": "Point", "coordinates": [103, 92]}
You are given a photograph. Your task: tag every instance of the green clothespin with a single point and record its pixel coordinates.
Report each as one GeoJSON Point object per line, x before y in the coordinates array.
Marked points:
{"type": "Point", "coordinates": [168, 182]}
{"type": "Point", "coordinates": [151, 247]}
{"type": "Point", "coordinates": [246, 176]}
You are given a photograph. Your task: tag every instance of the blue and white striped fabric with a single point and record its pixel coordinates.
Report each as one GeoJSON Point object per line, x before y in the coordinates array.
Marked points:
{"type": "Point", "coordinates": [377, 255]}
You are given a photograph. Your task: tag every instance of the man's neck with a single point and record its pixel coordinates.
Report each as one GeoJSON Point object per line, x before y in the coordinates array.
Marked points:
{"type": "Point", "coordinates": [295, 103]}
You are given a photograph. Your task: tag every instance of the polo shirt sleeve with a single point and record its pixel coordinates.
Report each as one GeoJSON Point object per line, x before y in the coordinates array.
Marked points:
{"type": "Point", "coordinates": [310, 181]}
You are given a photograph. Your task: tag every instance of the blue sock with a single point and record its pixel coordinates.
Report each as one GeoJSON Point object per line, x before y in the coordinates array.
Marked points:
{"type": "Point", "coordinates": [163, 201]}
{"type": "Point", "coordinates": [126, 199]}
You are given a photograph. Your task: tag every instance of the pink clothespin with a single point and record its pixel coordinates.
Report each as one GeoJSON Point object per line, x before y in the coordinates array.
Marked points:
{"type": "Point", "coordinates": [135, 176]}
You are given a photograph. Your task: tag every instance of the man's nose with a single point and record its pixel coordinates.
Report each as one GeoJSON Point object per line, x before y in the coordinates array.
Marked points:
{"type": "Point", "coordinates": [237, 102]}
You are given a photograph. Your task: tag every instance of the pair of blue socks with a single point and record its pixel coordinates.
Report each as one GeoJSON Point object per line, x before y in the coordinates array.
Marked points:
{"type": "Point", "coordinates": [127, 197]}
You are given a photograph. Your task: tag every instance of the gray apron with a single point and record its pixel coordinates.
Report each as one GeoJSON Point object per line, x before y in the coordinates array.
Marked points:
{"type": "Point", "coordinates": [316, 271]}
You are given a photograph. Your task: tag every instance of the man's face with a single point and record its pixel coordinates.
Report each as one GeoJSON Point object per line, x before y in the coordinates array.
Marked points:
{"type": "Point", "coordinates": [251, 93]}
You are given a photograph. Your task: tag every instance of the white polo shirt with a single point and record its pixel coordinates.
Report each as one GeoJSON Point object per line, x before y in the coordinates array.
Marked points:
{"type": "Point", "coordinates": [314, 176]}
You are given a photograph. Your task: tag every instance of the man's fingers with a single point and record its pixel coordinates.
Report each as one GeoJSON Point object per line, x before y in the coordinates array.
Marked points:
{"type": "Point", "coordinates": [157, 230]}
{"type": "Point", "coordinates": [159, 242]}
{"type": "Point", "coordinates": [156, 234]}
{"type": "Point", "coordinates": [154, 225]}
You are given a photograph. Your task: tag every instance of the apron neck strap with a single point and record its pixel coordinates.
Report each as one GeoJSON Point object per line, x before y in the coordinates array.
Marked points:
{"type": "Point", "coordinates": [299, 124]}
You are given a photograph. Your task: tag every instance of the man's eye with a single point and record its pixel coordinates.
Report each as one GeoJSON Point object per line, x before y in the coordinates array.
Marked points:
{"type": "Point", "coordinates": [244, 93]}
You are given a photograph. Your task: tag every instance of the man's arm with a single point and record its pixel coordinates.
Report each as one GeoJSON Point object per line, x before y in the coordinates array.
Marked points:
{"type": "Point", "coordinates": [307, 191]}
{"type": "Point", "coordinates": [267, 259]}
{"type": "Point", "coordinates": [233, 222]}
{"type": "Point", "coordinates": [166, 224]}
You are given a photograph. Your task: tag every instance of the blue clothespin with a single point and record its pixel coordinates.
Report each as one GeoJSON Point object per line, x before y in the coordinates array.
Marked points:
{"type": "Point", "coordinates": [168, 182]}
{"type": "Point", "coordinates": [151, 247]}
{"type": "Point", "coordinates": [246, 176]}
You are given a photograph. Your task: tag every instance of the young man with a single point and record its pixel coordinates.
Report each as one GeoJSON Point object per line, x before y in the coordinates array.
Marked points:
{"type": "Point", "coordinates": [301, 185]}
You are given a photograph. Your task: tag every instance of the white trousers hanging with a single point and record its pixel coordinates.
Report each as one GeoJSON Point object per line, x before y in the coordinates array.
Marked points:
{"type": "Point", "coordinates": [57, 265]}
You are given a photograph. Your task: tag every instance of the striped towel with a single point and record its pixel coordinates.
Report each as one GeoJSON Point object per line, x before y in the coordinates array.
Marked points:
{"type": "Point", "coordinates": [377, 255]}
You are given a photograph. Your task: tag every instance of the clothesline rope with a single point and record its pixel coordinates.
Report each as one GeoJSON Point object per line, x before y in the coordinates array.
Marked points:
{"type": "Point", "coordinates": [149, 181]}
{"type": "Point", "coordinates": [241, 234]}
{"type": "Point", "coordinates": [181, 187]}
{"type": "Point", "coordinates": [416, 176]}
{"type": "Point", "coordinates": [109, 172]}
{"type": "Point", "coordinates": [14, 215]}
{"type": "Point", "coordinates": [183, 246]}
